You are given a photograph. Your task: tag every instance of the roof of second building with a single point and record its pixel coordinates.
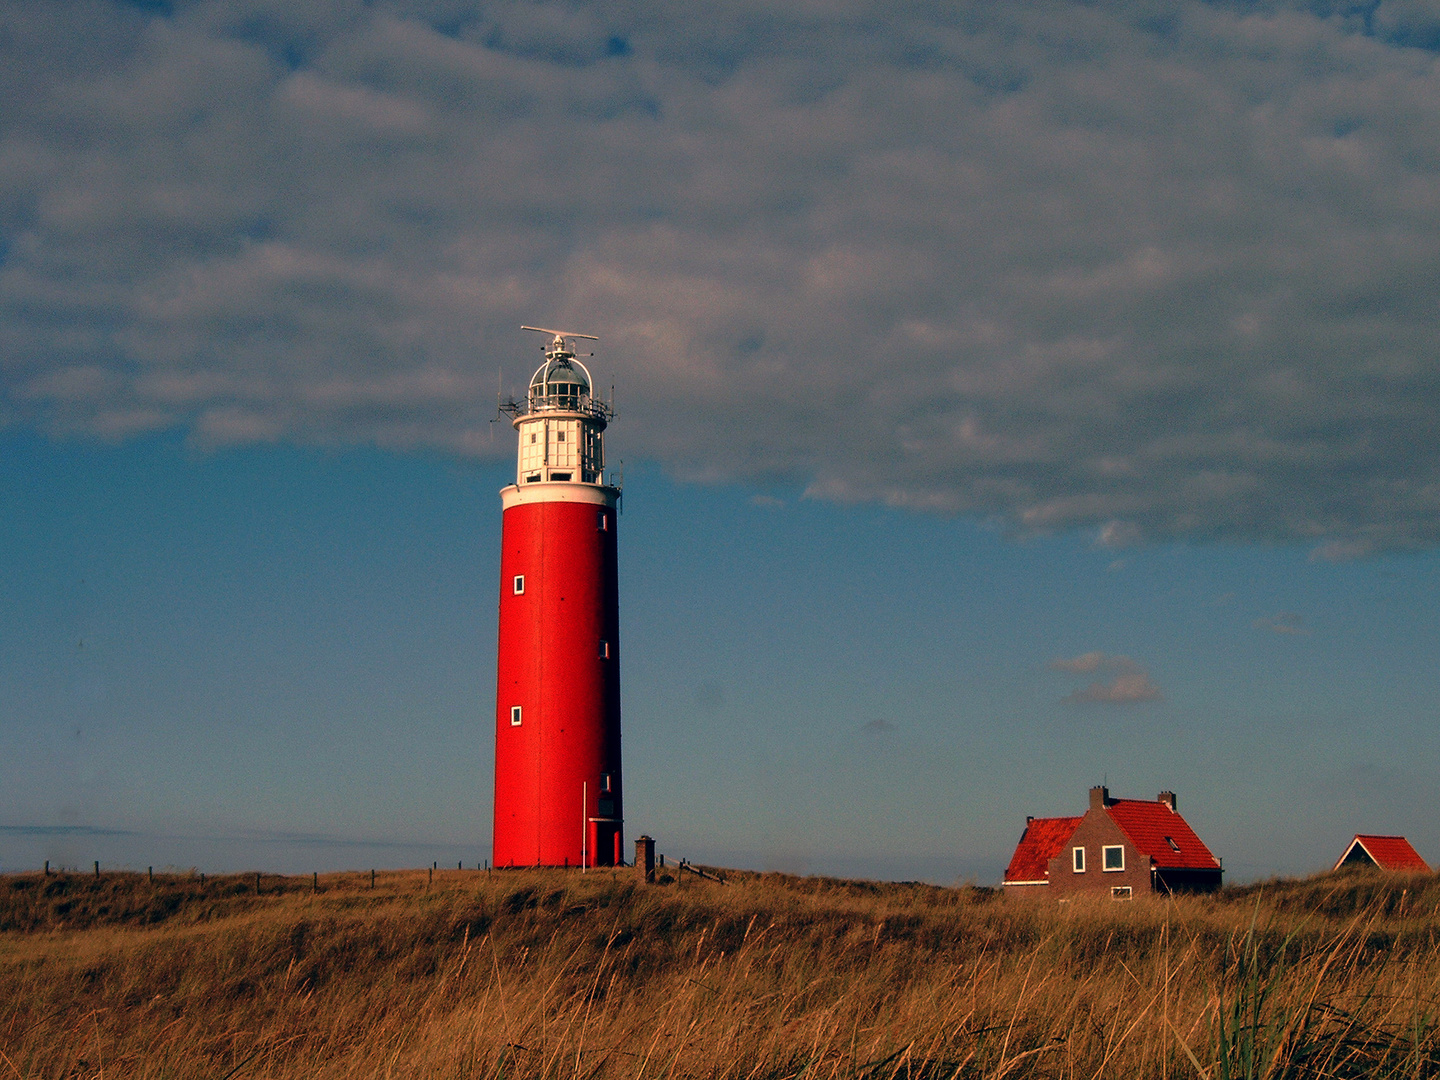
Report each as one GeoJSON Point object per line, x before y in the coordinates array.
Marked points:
{"type": "Point", "coordinates": [1386, 852]}
{"type": "Point", "coordinates": [1160, 832]}
{"type": "Point", "coordinates": [1039, 843]}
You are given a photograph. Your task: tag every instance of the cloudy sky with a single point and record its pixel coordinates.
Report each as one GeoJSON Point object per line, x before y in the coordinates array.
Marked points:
{"type": "Point", "coordinates": [1013, 397]}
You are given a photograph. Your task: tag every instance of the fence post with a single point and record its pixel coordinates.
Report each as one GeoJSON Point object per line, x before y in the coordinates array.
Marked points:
{"type": "Point", "coordinates": [150, 873]}
{"type": "Point", "coordinates": [315, 881]}
{"type": "Point", "coordinates": [97, 868]}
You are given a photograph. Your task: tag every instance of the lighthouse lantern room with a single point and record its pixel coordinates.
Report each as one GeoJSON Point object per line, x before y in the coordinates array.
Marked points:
{"type": "Point", "coordinates": [557, 701]}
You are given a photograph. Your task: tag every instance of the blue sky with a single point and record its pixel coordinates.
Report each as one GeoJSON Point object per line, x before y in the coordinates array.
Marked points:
{"type": "Point", "coordinates": [284, 657]}
{"type": "Point", "coordinates": [1012, 397]}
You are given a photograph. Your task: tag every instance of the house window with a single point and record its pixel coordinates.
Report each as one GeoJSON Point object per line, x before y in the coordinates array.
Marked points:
{"type": "Point", "coordinates": [514, 715]}
{"type": "Point", "coordinates": [519, 584]}
{"type": "Point", "coordinates": [604, 650]}
{"type": "Point", "coordinates": [1077, 858]}
{"type": "Point", "coordinates": [1114, 857]}
{"type": "Point", "coordinates": [1121, 892]}
{"type": "Point", "coordinates": [1171, 841]}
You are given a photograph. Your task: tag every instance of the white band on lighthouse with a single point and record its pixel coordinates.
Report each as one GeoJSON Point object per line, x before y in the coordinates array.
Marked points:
{"type": "Point", "coordinates": [572, 493]}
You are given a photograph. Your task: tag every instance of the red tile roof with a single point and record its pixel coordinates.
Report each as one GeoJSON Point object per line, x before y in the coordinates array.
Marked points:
{"type": "Point", "coordinates": [1161, 833]}
{"type": "Point", "coordinates": [1387, 852]}
{"type": "Point", "coordinates": [1039, 843]}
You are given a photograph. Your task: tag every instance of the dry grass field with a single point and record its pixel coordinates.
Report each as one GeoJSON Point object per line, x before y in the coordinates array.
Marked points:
{"type": "Point", "coordinates": [559, 974]}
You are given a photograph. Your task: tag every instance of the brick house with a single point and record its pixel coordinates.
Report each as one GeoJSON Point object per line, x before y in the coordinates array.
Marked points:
{"type": "Point", "coordinates": [1120, 848]}
{"type": "Point", "coordinates": [1386, 852]}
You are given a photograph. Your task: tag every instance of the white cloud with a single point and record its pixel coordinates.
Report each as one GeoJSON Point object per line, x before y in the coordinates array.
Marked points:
{"type": "Point", "coordinates": [1129, 682]}
{"type": "Point", "coordinates": [1121, 690]}
{"type": "Point", "coordinates": [1070, 266]}
{"type": "Point", "coordinates": [1117, 534]}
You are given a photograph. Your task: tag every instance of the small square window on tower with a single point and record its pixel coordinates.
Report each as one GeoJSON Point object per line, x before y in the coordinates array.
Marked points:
{"type": "Point", "coordinates": [514, 715]}
{"type": "Point", "coordinates": [606, 784]}
{"type": "Point", "coordinates": [603, 522]}
{"type": "Point", "coordinates": [519, 584]}
{"type": "Point", "coordinates": [604, 650]}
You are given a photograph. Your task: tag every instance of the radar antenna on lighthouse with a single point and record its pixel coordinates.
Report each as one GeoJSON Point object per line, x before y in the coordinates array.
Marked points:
{"type": "Point", "coordinates": [560, 335]}
{"type": "Point", "coordinates": [557, 696]}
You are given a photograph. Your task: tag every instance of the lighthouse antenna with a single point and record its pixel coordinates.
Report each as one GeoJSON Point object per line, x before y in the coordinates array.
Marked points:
{"type": "Point", "coordinates": [559, 336]}
{"type": "Point", "coordinates": [560, 333]}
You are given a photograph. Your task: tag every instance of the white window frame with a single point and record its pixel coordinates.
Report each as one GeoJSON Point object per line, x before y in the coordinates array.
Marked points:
{"type": "Point", "coordinates": [515, 715]}
{"type": "Point", "coordinates": [519, 584]}
{"type": "Point", "coordinates": [1122, 892]}
{"type": "Point", "coordinates": [1077, 860]}
{"type": "Point", "coordinates": [1105, 858]}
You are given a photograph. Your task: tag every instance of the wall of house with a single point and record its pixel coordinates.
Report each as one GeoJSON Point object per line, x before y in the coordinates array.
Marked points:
{"type": "Point", "coordinates": [1028, 891]}
{"type": "Point", "coordinates": [1096, 832]}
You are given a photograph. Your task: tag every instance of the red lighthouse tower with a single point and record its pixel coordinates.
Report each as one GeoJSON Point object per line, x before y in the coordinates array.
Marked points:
{"type": "Point", "coordinates": [557, 695]}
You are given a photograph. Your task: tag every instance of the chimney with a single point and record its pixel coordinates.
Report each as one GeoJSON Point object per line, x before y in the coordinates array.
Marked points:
{"type": "Point", "coordinates": [1168, 798]}
{"type": "Point", "coordinates": [1099, 798]}
{"type": "Point", "coordinates": [645, 859]}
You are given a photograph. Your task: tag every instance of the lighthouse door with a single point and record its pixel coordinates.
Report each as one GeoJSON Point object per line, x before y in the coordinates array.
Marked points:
{"type": "Point", "coordinates": [604, 842]}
